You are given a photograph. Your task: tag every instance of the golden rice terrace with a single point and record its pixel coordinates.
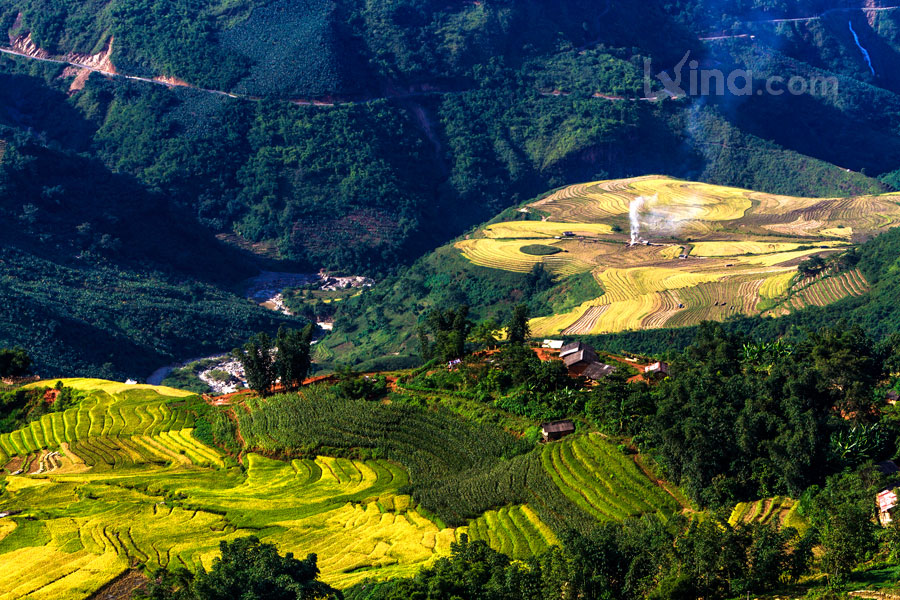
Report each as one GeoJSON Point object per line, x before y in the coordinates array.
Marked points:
{"type": "Point", "coordinates": [670, 253]}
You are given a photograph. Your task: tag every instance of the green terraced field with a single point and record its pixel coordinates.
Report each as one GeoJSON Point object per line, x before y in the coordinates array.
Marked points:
{"type": "Point", "coordinates": [516, 531]}
{"type": "Point", "coordinates": [119, 480]}
{"type": "Point", "coordinates": [780, 510]}
{"type": "Point", "coordinates": [602, 481]}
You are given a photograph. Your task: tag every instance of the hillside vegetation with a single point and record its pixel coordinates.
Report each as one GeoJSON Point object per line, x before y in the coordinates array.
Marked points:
{"type": "Point", "coordinates": [100, 276]}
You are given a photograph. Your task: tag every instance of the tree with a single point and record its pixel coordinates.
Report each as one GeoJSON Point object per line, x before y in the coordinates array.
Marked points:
{"type": "Point", "coordinates": [14, 362]}
{"type": "Point", "coordinates": [812, 266]}
{"type": "Point", "coordinates": [843, 516]}
{"type": "Point", "coordinates": [443, 334]}
{"type": "Point", "coordinates": [485, 334]}
{"type": "Point", "coordinates": [537, 280]}
{"type": "Point", "coordinates": [517, 327]}
{"type": "Point", "coordinates": [616, 407]}
{"type": "Point", "coordinates": [846, 359]}
{"type": "Point", "coordinates": [258, 360]}
{"type": "Point", "coordinates": [292, 360]}
{"type": "Point", "coordinates": [246, 570]}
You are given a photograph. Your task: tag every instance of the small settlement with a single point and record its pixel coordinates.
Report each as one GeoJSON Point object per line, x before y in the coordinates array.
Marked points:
{"type": "Point", "coordinates": [582, 360]}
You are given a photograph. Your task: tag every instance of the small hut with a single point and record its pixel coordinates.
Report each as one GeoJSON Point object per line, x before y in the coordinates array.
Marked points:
{"type": "Point", "coordinates": [555, 430]}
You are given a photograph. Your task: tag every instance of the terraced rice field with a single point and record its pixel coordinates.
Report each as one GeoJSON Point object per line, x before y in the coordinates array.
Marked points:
{"type": "Point", "coordinates": [780, 509]}
{"type": "Point", "coordinates": [516, 531]}
{"type": "Point", "coordinates": [507, 255]}
{"type": "Point", "coordinates": [820, 291]}
{"type": "Point", "coordinates": [713, 252]}
{"type": "Point", "coordinates": [119, 480]}
{"type": "Point", "coordinates": [602, 481]}
{"type": "Point", "coordinates": [669, 201]}
{"type": "Point", "coordinates": [543, 229]}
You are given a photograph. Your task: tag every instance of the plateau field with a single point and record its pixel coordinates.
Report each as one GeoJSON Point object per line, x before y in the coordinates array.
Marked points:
{"type": "Point", "coordinates": [672, 253]}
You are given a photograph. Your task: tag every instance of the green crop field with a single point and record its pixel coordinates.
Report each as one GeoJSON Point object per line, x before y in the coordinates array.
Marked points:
{"type": "Point", "coordinates": [119, 480]}
{"type": "Point", "coordinates": [780, 510]}
{"type": "Point", "coordinates": [602, 481]}
{"type": "Point", "coordinates": [713, 251]}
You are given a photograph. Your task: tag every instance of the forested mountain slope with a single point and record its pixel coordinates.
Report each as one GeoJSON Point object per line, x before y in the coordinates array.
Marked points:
{"type": "Point", "coordinates": [100, 275]}
{"type": "Point", "coordinates": [359, 137]}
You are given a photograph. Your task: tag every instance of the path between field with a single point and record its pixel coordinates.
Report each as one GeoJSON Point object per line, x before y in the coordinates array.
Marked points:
{"type": "Point", "coordinates": [661, 483]}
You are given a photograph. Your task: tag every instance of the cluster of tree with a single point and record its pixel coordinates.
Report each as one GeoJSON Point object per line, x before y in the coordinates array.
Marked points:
{"type": "Point", "coordinates": [637, 559]}
{"type": "Point", "coordinates": [738, 419]}
{"type": "Point", "coordinates": [285, 359]}
{"type": "Point", "coordinates": [14, 362]}
{"type": "Point", "coordinates": [449, 334]}
{"type": "Point", "coordinates": [21, 406]}
{"type": "Point", "coordinates": [246, 568]}
{"type": "Point", "coordinates": [816, 265]}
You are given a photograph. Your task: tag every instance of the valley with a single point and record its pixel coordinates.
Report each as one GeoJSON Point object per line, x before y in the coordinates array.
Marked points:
{"type": "Point", "coordinates": [482, 307]}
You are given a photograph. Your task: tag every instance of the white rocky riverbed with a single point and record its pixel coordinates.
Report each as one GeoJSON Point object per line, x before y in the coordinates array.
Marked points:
{"type": "Point", "coordinates": [266, 289]}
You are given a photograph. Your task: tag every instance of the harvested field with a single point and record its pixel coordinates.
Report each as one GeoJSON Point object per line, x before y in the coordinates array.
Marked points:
{"type": "Point", "coordinates": [705, 251]}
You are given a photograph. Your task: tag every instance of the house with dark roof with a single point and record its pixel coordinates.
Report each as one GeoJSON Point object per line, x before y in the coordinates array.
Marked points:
{"type": "Point", "coordinates": [597, 371]}
{"type": "Point", "coordinates": [555, 430]}
{"type": "Point", "coordinates": [582, 361]}
{"type": "Point", "coordinates": [573, 347]}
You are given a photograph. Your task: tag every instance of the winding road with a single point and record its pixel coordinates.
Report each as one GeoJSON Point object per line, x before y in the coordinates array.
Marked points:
{"type": "Point", "coordinates": [401, 95]}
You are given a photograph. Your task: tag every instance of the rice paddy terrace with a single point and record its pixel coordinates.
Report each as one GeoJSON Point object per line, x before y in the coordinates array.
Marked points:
{"type": "Point", "coordinates": [119, 481]}
{"type": "Point", "coordinates": [701, 251]}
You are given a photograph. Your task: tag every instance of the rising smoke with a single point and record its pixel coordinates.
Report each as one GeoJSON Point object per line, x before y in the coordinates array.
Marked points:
{"type": "Point", "coordinates": [634, 213]}
{"type": "Point", "coordinates": [651, 218]}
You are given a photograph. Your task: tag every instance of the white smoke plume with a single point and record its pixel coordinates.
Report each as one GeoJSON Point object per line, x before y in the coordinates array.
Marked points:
{"type": "Point", "coordinates": [634, 213]}
{"type": "Point", "coordinates": [650, 218]}
{"type": "Point", "coordinates": [637, 206]}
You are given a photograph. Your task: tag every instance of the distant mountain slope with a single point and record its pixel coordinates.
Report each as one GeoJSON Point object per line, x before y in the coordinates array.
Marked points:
{"type": "Point", "coordinates": [98, 276]}
{"type": "Point", "coordinates": [460, 111]}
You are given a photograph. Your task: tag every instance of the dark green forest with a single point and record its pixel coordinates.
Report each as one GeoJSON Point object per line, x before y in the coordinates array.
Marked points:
{"type": "Point", "coordinates": [434, 118]}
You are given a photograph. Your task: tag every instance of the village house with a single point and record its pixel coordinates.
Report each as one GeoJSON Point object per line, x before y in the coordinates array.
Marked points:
{"type": "Point", "coordinates": [553, 344]}
{"type": "Point", "coordinates": [887, 505]}
{"type": "Point", "coordinates": [582, 361]}
{"type": "Point", "coordinates": [578, 356]}
{"type": "Point", "coordinates": [657, 368]}
{"type": "Point", "coordinates": [597, 371]}
{"type": "Point", "coordinates": [555, 430]}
